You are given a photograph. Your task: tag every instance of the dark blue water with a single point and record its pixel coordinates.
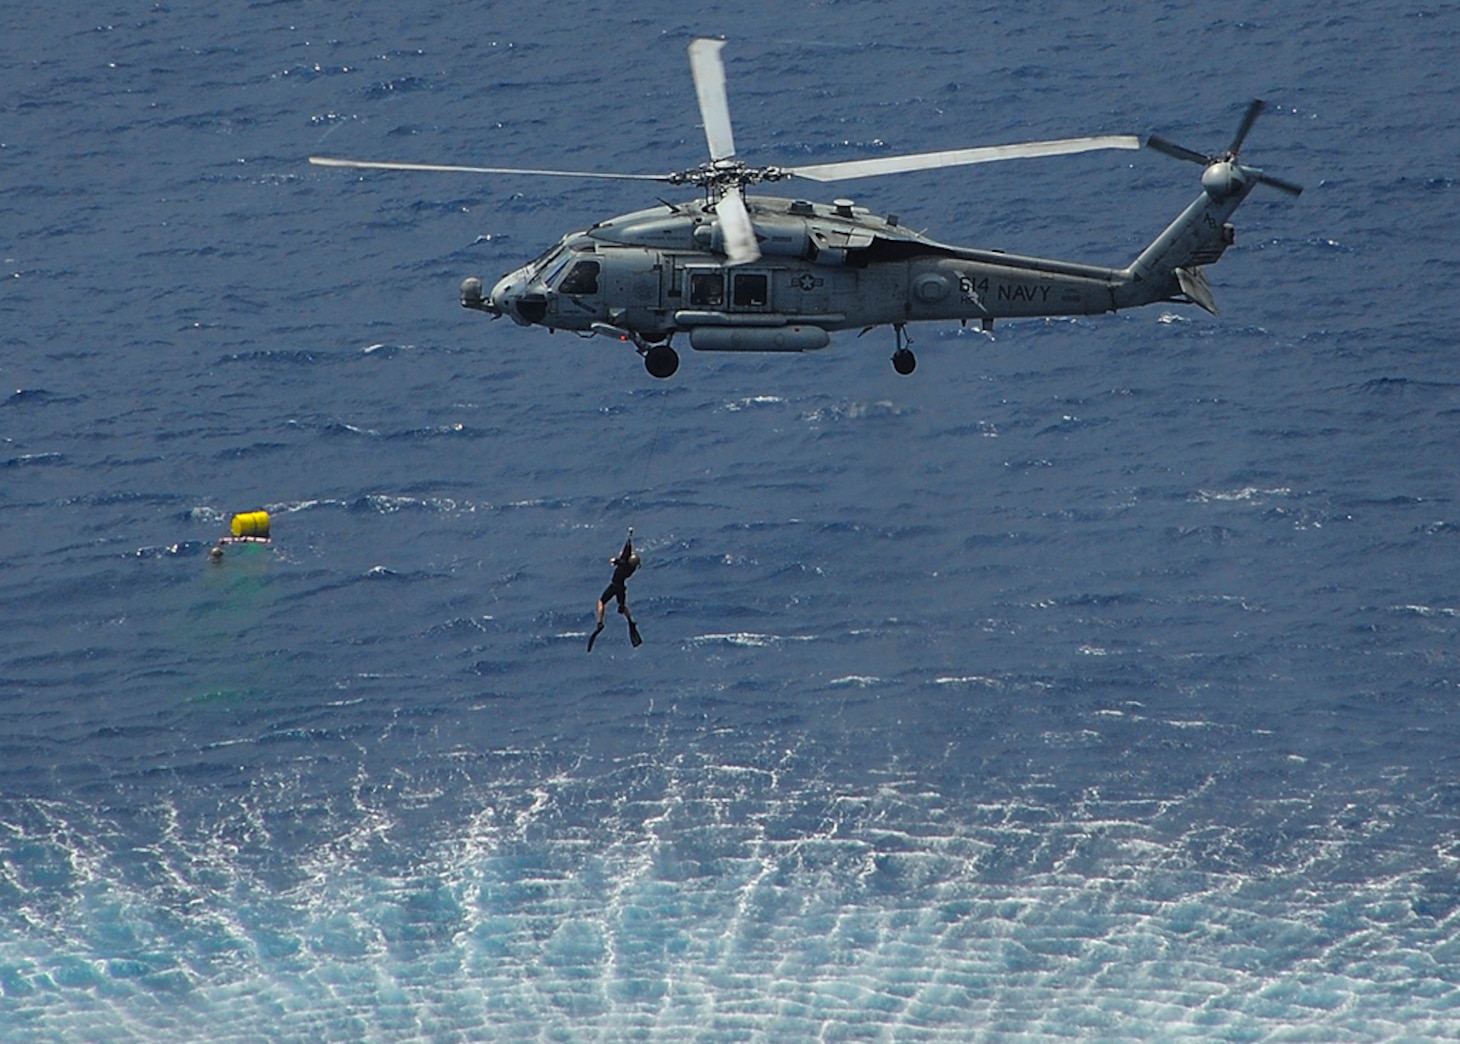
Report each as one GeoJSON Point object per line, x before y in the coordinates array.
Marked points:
{"type": "Point", "coordinates": [1097, 681]}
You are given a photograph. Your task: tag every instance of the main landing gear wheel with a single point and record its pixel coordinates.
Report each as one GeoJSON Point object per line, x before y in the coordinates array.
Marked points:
{"type": "Point", "coordinates": [903, 361]}
{"type": "Point", "coordinates": [661, 360]}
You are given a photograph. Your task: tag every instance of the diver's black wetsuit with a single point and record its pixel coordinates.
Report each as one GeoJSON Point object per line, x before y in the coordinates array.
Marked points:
{"type": "Point", "coordinates": [623, 568]}
{"type": "Point", "coordinates": [624, 564]}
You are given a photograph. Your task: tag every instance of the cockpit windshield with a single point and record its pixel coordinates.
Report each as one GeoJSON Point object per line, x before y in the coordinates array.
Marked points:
{"type": "Point", "coordinates": [537, 263]}
{"type": "Point", "coordinates": [553, 267]}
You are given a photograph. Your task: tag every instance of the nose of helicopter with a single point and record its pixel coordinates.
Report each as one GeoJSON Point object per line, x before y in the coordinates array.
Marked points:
{"type": "Point", "coordinates": [510, 297]}
{"type": "Point", "coordinates": [472, 297]}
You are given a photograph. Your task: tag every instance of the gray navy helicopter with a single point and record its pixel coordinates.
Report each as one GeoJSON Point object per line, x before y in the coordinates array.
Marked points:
{"type": "Point", "coordinates": [741, 273]}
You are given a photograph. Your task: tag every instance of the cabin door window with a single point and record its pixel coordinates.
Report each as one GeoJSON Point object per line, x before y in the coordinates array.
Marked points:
{"type": "Point", "coordinates": [707, 289]}
{"type": "Point", "coordinates": [750, 291]}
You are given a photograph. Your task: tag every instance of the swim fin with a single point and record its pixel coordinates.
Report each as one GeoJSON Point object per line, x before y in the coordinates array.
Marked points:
{"type": "Point", "coordinates": [594, 636]}
{"type": "Point", "coordinates": [634, 638]}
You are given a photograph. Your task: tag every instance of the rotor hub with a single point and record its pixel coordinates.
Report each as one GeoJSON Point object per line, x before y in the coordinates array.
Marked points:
{"type": "Point", "coordinates": [720, 176]}
{"type": "Point", "coordinates": [1223, 179]}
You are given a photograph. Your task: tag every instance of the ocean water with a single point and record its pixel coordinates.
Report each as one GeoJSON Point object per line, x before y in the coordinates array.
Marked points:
{"type": "Point", "coordinates": [1097, 681]}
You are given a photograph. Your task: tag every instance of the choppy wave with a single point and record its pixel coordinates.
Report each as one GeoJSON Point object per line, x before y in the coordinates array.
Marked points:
{"type": "Point", "coordinates": [668, 894]}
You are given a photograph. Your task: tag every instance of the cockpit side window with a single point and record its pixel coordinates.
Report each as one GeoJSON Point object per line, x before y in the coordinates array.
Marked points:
{"type": "Point", "coordinates": [582, 278]}
{"type": "Point", "coordinates": [707, 289]}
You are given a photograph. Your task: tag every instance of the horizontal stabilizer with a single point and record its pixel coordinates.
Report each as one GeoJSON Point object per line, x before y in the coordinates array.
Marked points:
{"type": "Point", "coordinates": [1194, 285]}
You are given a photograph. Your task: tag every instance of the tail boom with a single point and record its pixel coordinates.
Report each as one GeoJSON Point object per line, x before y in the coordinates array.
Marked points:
{"type": "Point", "coordinates": [1170, 268]}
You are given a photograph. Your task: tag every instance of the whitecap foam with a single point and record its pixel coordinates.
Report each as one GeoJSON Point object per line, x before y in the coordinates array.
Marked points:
{"type": "Point", "coordinates": [749, 639]}
{"type": "Point", "coordinates": [723, 900]}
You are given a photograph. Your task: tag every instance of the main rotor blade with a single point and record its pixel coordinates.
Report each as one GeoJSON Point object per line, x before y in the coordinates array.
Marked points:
{"type": "Point", "coordinates": [709, 75]}
{"type": "Point", "coordinates": [741, 246]}
{"type": "Point", "coordinates": [959, 157]}
{"type": "Point", "coordinates": [1181, 152]}
{"type": "Point", "coordinates": [330, 161]}
{"type": "Point", "coordinates": [1254, 109]}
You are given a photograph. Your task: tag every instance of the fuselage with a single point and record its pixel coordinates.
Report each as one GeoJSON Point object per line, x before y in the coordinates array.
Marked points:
{"type": "Point", "coordinates": [828, 267]}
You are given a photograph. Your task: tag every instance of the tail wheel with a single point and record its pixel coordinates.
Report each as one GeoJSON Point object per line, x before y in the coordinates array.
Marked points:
{"type": "Point", "coordinates": [903, 361]}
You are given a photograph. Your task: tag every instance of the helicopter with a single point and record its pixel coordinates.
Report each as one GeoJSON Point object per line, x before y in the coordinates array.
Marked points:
{"type": "Point", "coordinates": [735, 272]}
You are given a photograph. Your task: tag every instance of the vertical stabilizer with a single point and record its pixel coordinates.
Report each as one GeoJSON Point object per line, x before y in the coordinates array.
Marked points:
{"type": "Point", "coordinates": [1171, 265]}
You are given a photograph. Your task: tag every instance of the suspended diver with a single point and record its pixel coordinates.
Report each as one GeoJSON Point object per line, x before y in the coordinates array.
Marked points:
{"type": "Point", "coordinates": [624, 564]}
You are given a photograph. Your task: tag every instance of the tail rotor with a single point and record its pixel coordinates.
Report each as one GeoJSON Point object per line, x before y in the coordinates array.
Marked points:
{"type": "Point", "coordinates": [1254, 110]}
{"type": "Point", "coordinates": [1223, 174]}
